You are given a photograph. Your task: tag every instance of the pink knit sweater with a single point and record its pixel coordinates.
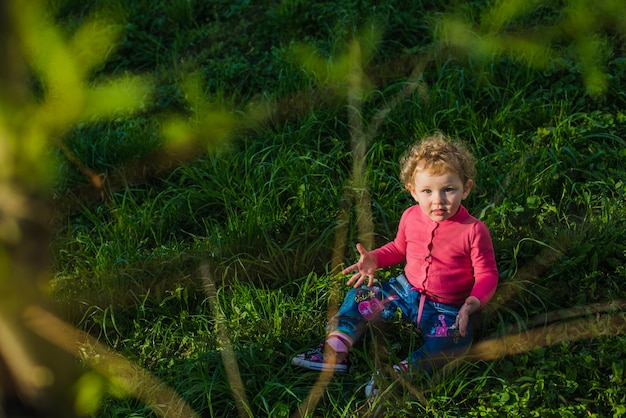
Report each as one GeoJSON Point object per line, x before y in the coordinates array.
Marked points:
{"type": "Point", "coordinates": [447, 261]}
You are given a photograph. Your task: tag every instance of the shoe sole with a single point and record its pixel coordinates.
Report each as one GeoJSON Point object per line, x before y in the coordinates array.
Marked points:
{"type": "Point", "coordinates": [318, 367]}
{"type": "Point", "coordinates": [371, 391]}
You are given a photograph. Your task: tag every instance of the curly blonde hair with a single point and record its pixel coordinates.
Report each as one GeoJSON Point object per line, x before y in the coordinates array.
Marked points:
{"type": "Point", "coordinates": [437, 154]}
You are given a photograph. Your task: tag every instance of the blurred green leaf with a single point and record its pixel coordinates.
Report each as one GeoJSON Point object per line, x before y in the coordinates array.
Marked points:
{"type": "Point", "coordinates": [116, 97]}
{"type": "Point", "coordinates": [90, 390]}
{"type": "Point", "coordinates": [93, 43]}
{"type": "Point", "coordinates": [338, 71]}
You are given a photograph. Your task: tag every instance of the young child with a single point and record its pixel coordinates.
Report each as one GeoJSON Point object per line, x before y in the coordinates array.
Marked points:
{"type": "Point", "coordinates": [450, 270]}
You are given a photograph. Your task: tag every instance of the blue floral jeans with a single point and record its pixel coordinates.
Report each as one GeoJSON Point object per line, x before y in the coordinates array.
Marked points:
{"type": "Point", "coordinates": [380, 302]}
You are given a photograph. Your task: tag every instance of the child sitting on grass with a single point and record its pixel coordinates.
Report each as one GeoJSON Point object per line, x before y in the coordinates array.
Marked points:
{"type": "Point", "coordinates": [450, 270]}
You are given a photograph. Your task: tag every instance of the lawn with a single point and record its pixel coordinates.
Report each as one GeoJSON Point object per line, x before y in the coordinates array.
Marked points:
{"type": "Point", "coordinates": [198, 234]}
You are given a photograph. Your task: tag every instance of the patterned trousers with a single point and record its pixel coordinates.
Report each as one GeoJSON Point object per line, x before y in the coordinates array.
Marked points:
{"type": "Point", "coordinates": [380, 302]}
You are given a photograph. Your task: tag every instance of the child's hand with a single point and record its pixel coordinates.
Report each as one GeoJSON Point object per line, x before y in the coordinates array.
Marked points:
{"type": "Point", "coordinates": [365, 268]}
{"type": "Point", "coordinates": [471, 305]}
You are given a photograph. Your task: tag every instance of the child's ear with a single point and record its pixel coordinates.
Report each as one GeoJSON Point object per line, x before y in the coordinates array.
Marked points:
{"type": "Point", "coordinates": [411, 189]}
{"type": "Point", "coordinates": [467, 188]}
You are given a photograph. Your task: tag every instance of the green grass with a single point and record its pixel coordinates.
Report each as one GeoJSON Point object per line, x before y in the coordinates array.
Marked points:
{"type": "Point", "coordinates": [262, 212]}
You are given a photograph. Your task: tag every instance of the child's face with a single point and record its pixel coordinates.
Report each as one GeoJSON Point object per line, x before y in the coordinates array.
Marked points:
{"type": "Point", "coordinates": [439, 195]}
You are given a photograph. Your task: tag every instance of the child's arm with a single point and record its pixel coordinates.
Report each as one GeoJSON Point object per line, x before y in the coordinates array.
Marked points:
{"type": "Point", "coordinates": [364, 268]}
{"type": "Point", "coordinates": [389, 254]}
{"type": "Point", "coordinates": [485, 277]}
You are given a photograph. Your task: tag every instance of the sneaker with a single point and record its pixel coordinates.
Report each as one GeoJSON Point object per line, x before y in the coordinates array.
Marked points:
{"type": "Point", "coordinates": [371, 390]}
{"type": "Point", "coordinates": [313, 359]}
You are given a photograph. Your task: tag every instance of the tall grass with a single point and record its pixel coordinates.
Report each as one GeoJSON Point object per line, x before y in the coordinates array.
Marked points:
{"type": "Point", "coordinates": [262, 212]}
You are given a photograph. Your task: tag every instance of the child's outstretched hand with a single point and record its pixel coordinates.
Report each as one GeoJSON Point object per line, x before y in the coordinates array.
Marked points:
{"type": "Point", "coordinates": [364, 268]}
{"type": "Point", "coordinates": [471, 305]}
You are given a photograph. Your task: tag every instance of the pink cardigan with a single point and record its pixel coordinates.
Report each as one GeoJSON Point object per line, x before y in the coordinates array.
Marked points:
{"type": "Point", "coordinates": [447, 261]}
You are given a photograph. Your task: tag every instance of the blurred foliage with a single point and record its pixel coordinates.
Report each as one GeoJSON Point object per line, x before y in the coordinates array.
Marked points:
{"type": "Point", "coordinates": [570, 34]}
{"type": "Point", "coordinates": [36, 350]}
